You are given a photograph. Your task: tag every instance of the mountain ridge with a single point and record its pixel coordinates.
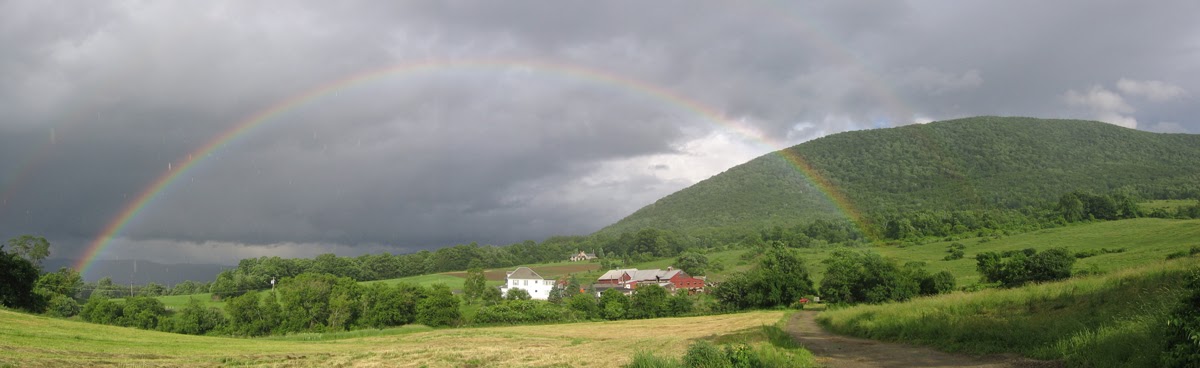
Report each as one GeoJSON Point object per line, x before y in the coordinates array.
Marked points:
{"type": "Point", "coordinates": [985, 162]}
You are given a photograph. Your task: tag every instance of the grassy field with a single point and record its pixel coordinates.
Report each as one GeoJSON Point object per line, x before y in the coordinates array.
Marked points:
{"type": "Point", "coordinates": [1145, 240]}
{"type": "Point", "coordinates": [35, 341]}
{"type": "Point", "coordinates": [1166, 204]}
{"type": "Point", "coordinates": [1114, 320]}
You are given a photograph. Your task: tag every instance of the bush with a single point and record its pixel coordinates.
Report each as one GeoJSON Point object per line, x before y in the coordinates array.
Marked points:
{"type": "Point", "coordinates": [645, 359]}
{"type": "Point", "coordinates": [1013, 268]}
{"type": "Point", "coordinates": [703, 354]}
{"type": "Point", "coordinates": [62, 306]}
{"type": "Point", "coordinates": [867, 277]}
{"type": "Point", "coordinates": [439, 307]}
{"type": "Point", "coordinates": [613, 304]}
{"type": "Point", "coordinates": [954, 254]}
{"type": "Point", "coordinates": [195, 319]}
{"type": "Point", "coordinates": [779, 279]}
{"type": "Point", "coordinates": [585, 304]}
{"type": "Point", "coordinates": [1183, 329]}
{"type": "Point", "coordinates": [1177, 255]}
{"type": "Point", "coordinates": [142, 312]}
{"type": "Point", "coordinates": [101, 310]}
{"type": "Point", "coordinates": [525, 311]}
{"type": "Point", "coordinates": [17, 279]}
{"type": "Point", "coordinates": [680, 304]}
{"type": "Point", "coordinates": [650, 301]}
{"type": "Point", "coordinates": [517, 294]}
{"type": "Point", "coordinates": [939, 283]}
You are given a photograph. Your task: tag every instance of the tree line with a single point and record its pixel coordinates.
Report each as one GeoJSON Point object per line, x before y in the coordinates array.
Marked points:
{"type": "Point", "coordinates": [309, 302]}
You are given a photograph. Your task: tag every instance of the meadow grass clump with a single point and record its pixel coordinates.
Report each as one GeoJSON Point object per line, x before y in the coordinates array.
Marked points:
{"type": "Point", "coordinates": [645, 359]}
{"type": "Point", "coordinates": [768, 346]}
{"type": "Point", "coordinates": [1115, 320]}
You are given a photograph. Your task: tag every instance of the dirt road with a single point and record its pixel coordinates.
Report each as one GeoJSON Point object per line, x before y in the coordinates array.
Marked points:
{"type": "Point", "coordinates": [848, 352]}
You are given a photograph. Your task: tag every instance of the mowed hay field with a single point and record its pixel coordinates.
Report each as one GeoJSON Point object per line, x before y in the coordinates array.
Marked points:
{"type": "Point", "coordinates": [34, 341]}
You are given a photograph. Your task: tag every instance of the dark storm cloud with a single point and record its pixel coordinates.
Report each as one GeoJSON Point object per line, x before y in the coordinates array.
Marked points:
{"type": "Point", "coordinates": [97, 98]}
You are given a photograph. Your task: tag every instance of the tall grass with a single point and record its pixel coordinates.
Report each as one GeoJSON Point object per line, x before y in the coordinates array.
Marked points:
{"type": "Point", "coordinates": [1114, 320]}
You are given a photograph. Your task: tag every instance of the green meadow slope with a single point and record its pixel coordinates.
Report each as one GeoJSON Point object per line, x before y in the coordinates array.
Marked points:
{"type": "Point", "coordinates": [980, 162]}
{"type": "Point", "coordinates": [1145, 241]}
{"type": "Point", "coordinates": [1115, 320]}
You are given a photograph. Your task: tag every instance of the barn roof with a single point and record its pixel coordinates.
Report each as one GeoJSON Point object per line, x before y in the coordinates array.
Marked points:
{"type": "Point", "coordinates": [616, 274]}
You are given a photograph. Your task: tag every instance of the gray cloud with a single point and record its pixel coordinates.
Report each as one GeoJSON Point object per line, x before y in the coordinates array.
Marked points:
{"type": "Point", "coordinates": [97, 99]}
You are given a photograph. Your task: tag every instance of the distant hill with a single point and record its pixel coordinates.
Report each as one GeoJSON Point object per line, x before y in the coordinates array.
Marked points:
{"type": "Point", "coordinates": [122, 271]}
{"type": "Point", "coordinates": [972, 163]}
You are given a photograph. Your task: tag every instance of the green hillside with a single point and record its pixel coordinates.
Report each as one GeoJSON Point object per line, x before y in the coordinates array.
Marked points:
{"type": "Point", "coordinates": [972, 163]}
{"type": "Point", "coordinates": [1115, 320]}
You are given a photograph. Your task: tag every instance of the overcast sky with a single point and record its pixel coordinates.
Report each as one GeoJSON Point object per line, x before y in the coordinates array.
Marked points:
{"type": "Point", "coordinates": [534, 118]}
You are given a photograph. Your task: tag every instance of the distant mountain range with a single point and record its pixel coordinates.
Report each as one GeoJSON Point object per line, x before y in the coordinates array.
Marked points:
{"type": "Point", "coordinates": [972, 163]}
{"type": "Point", "coordinates": [123, 271]}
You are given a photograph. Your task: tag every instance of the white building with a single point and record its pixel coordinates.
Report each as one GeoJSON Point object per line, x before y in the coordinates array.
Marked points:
{"type": "Point", "coordinates": [524, 278]}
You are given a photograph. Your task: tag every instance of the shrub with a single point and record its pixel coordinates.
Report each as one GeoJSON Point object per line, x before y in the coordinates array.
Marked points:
{"type": "Point", "coordinates": [954, 254]}
{"type": "Point", "coordinates": [17, 279]}
{"type": "Point", "coordinates": [867, 277]}
{"type": "Point", "coordinates": [703, 354]}
{"type": "Point", "coordinates": [680, 304]}
{"type": "Point", "coordinates": [517, 294]}
{"type": "Point", "coordinates": [585, 304]}
{"type": "Point", "coordinates": [613, 304]}
{"type": "Point", "coordinates": [101, 310]}
{"type": "Point", "coordinates": [938, 283]}
{"type": "Point", "coordinates": [650, 301]}
{"type": "Point", "coordinates": [524, 311]}
{"type": "Point", "coordinates": [142, 312]}
{"type": "Point", "coordinates": [439, 308]}
{"type": "Point", "coordinates": [1013, 268]}
{"type": "Point", "coordinates": [645, 359]}
{"type": "Point", "coordinates": [195, 319]}
{"type": "Point", "coordinates": [1177, 255]}
{"type": "Point", "coordinates": [62, 306]}
{"type": "Point", "coordinates": [779, 279]}
{"type": "Point", "coordinates": [250, 316]}
{"type": "Point", "coordinates": [1183, 329]}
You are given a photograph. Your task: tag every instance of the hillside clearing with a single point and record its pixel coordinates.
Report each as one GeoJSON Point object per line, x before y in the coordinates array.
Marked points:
{"type": "Point", "coordinates": [1115, 320]}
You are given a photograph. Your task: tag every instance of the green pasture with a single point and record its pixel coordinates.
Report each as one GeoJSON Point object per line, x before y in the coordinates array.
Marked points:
{"type": "Point", "coordinates": [1113, 320]}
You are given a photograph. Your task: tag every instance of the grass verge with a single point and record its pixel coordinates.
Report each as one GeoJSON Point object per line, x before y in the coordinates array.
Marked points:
{"type": "Point", "coordinates": [1115, 320]}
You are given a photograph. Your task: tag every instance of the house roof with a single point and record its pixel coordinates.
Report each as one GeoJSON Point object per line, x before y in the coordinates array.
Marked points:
{"type": "Point", "coordinates": [524, 273]}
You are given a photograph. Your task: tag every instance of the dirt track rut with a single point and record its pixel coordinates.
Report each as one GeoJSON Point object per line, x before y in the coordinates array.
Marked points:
{"type": "Point", "coordinates": [848, 352]}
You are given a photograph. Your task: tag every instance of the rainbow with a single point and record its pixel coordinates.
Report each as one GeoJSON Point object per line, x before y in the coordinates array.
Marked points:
{"type": "Point", "coordinates": [187, 162]}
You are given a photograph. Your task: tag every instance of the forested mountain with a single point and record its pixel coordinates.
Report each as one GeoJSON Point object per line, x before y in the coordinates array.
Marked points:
{"type": "Point", "coordinates": [965, 164]}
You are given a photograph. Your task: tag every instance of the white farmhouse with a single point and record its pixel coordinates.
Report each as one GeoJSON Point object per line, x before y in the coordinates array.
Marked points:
{"type": "Point", "coordinates": [525, 278]}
